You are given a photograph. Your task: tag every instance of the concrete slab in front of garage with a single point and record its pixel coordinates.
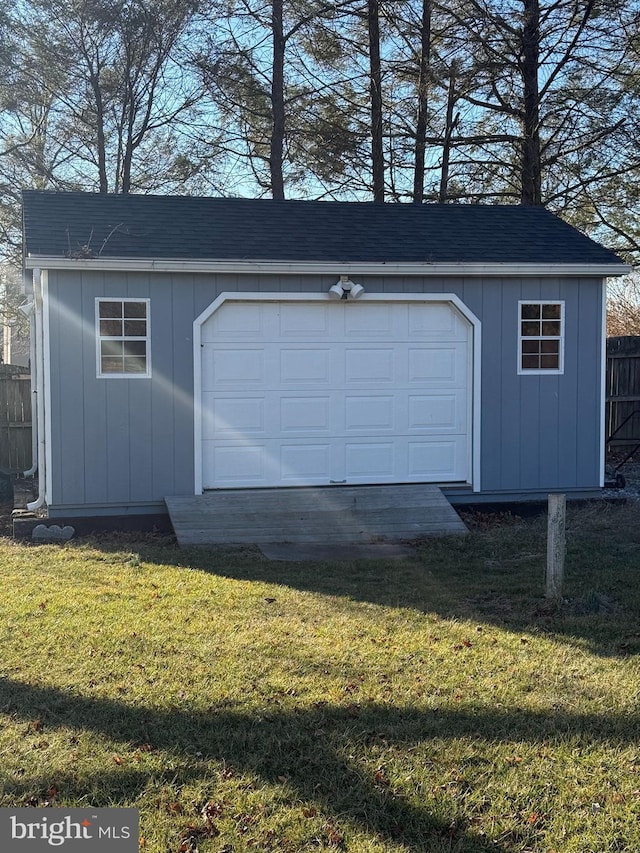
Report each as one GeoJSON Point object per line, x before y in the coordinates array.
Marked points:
{"type": "Point", "coordinates": [336, 515]}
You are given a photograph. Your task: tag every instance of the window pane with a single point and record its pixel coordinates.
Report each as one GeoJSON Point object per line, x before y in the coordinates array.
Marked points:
{"type": "Point", "coordinates": [551, 312]}
{"type": "Point", "coordinates": [530, 362]}
{"type": "Point", "coordinates": [111, 348]}
{"type": "Point", "coordinates": [135, 365]}
{"type": "Point", "coordinates": [135, 347]}
{"type": "Point", "coordinates": [111, 365]}
{"type": "Point", "coordinates": [135, 328]}
{"type": "Point", "coordinates": [550, 362]}
{"type": "Point", "coordinates": [530, 329]}
{"type": "Point", "coordinates": [135, 309]}
{"type": "Point", "coordinates": [111, 328]}
{"type": "Point", "coordinates": [540, 336]}
{"type": "Point", "coordinates": [123, 335]}
{"type": "Point", "coordinates": [551, 327]}
{"type": "Point", "coordinates": [530, 312]}
{"type": "Point", "coordinates": [111, 309]}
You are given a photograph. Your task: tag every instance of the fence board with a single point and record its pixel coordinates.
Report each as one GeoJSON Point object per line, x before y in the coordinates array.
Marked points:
{"type": "Point", "coordinates": [623, 391]}
{"type": "Point", "coordinates": [15, 418]}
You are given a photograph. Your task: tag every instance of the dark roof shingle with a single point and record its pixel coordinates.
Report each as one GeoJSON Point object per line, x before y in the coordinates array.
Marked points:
{"type": "Point", "coordinates": [186, 227]}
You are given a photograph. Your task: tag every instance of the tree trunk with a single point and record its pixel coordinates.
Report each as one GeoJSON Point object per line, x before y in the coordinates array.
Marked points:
{"type": "Point", "coordinates": [450, 123]}
{"type": "Point", "coordinates": [277, 101]}
{"type": "Point", "coordinates": [101, 144]}
{"type": "Point", "coordinates": [127, 144]}
{"type": "Point", "coordinates": [423, 102]}
{"type": "Point", "coordinates": [531, 171]}
{"type": "Point", "coordinates": [375, 91]}
{"type": "Point", "coordinates": [125, 181]}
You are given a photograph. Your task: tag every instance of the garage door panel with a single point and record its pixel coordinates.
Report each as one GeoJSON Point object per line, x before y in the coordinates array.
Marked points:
{"type": "Point", "coordinates": [437, 412]}
{"type": "Point", "coordinates": [303, 366]}
{"type": "Point", "coordinates": [233, 367]}
{"type": "Point", "coordinates": [366, 413]}
{"type": "Point", "coordinates": [365, 459]}
{"type": "Point", "coordinates": [294, 320]}
{"type": "Point", "coordinates": [369, 366]}
{"type": "Point", "coordinates": [207, 369]}
{"type": "Point", "coordinates": [336, 392]}
{"type": "Point", "coordinates": [240, 321]}
{"type": "Point", "coordinates": [370, 323]}
{"type": "Point", "coordinates": [436, 321]}
{"type": "Point", "coordinates": [439, 365]}
{"type": "Point", "coordinates": [261, 464]}
{"type": "Point", "coordinates": [232, 417]}
{"type": "Point", "coordinates": [242, 464]}
{"type": "Point", "coordinates": [436, 460]}
{"type": "Point", "coordinates": [305, 463]}
{"type": "Point", "coordinates": [305, 413]}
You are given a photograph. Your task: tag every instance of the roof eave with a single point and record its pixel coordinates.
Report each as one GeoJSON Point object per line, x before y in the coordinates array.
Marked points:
{"type": "Point", "coordinates": [326, 267]}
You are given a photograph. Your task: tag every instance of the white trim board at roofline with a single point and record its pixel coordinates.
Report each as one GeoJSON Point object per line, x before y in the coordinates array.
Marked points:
{"type": "Point", "coordinates": [324, 267]}
{"type": "Point", "coordinates": [451, 298]}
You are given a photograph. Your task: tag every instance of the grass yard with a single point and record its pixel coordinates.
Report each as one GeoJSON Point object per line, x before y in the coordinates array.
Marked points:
{"type": "Point", "coordinates": [436, 703]}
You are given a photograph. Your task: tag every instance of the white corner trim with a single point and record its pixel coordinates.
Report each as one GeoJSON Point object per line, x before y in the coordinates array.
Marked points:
{"type": "Point", "coordinates": [46, 360]}
{"type": "Point", "coordinates": [38, 391]}
{"type": "Point", "coordinates": [476, 408]}
{"type": "Point", "coordinates": [603, 383]}
{"type": "Point", "coordinates": [476, 425]}
{"type": "Point", "coordinates": [197, 404]}
{"type": "Point", "coordinates": [336, 268]}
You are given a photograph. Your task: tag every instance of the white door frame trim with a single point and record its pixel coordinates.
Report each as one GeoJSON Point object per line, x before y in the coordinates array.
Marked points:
{"type": "Point", "coordinates": [474, 356]}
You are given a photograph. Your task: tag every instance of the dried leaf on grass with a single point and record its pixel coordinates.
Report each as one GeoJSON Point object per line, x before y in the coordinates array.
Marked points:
{"type": "Point", "coordinates": [191, 833]}
{"type": "Point", "coordinates": [334, 836]}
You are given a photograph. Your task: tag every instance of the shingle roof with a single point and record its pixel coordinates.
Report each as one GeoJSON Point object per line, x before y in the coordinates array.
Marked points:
{"type": "Point", "coordinates": [183, 227]}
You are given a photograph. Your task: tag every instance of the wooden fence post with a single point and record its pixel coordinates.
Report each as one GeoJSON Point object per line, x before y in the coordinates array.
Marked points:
{"type": "Point", "coordinates": [555, 545]}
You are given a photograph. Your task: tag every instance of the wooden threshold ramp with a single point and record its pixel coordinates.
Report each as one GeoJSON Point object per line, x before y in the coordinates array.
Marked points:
{"type": "Point", "coordinates": [330, 514]}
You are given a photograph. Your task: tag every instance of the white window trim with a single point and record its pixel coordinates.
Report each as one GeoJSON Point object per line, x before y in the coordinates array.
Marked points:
{"type": "Point", "coordinates": [146, 338]}
{"type": "Point", "coordinates": [541, 371]}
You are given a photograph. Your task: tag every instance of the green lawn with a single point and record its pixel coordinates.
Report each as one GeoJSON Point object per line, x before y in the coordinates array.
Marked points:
{"type": "Point", "coordinates": [436, 703]}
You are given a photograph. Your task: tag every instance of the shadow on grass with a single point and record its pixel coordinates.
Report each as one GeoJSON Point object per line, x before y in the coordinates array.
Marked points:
{"type": "Point", "coordinates": [494, 576]}
{"type": "Point", "coordinates": [313, 750]}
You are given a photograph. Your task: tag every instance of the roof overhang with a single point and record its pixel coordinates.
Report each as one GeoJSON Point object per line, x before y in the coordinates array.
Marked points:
{"type": "Point", "coordinates": [324, 267]}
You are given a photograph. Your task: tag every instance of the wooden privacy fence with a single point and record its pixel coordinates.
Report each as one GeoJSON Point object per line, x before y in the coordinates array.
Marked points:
{"type": "Point", "coordinates": [15, 418]}
{"type": "Point", "coordinates": [623, 391]}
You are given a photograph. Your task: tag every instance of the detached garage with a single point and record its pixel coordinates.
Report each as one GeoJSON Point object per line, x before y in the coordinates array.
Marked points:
{"type": "Point", "coordinates": [188, 345]}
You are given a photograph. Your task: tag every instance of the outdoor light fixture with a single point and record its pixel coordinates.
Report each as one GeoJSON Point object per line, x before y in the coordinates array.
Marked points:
{"type": "Point", "coordinates": [345, 288]}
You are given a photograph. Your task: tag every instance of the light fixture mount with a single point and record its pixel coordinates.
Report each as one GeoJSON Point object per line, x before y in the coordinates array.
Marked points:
{"type": "Point", "coordinates": [345, 289]}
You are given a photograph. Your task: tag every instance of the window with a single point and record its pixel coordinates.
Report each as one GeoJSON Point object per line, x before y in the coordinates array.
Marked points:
{"type": "Point", "coordinates": [123, 338]}
{"type": "Point", "coordinates": [541, 337]}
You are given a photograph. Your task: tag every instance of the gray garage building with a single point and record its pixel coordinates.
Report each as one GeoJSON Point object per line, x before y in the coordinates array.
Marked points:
{"type": "Point", "coordinates": [192, 344]}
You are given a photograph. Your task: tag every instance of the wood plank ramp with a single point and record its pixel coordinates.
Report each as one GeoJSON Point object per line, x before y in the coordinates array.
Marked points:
{"type": "Point", "coordinates": [347, 514]}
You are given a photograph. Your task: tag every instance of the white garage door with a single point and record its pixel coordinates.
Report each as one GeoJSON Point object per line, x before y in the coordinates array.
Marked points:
{"type": "Point", "coordinates": [315, 393]}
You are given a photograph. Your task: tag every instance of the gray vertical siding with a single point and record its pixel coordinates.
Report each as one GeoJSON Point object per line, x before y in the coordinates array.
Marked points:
{"type": "Point", "coordinates": [123, 444]}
